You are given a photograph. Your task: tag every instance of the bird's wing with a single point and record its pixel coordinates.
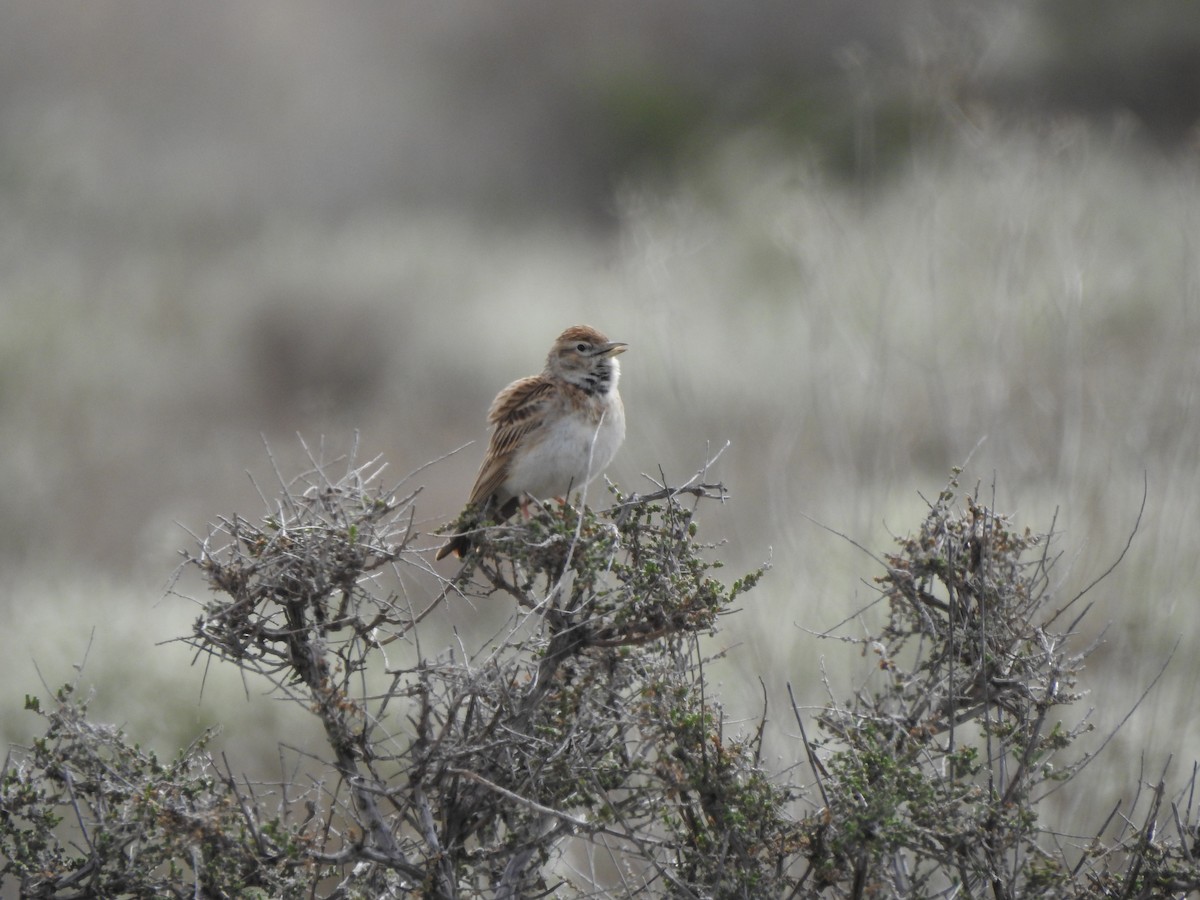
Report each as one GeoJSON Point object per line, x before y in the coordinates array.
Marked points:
{"type": "Point", "coordinates": [517, 411]}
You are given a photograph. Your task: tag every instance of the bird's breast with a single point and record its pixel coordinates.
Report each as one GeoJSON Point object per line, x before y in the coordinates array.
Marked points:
{"type": "Point", "coordinates": [567, 454]}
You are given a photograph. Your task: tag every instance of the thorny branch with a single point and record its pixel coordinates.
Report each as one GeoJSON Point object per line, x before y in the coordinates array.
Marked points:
{"type": "Point", "coordinates": [498, 754]}
{"type": "Point", "coordinates": [585, 728]}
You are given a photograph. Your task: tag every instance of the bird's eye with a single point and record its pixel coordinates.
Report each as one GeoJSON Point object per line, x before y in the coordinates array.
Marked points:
{"type": "Point", "coordinates": [581, 347]}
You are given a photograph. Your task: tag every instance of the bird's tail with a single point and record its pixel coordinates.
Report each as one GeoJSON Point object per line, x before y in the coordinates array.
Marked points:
{"type": "Point", "coordinates": [471, 521]}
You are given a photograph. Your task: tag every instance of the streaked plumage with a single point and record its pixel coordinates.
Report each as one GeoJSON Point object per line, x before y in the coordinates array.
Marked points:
{"type": "Point", "coordinates": [552, 433]}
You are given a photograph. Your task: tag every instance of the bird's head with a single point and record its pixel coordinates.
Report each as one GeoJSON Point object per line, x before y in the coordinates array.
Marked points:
{"type": "Point", "coordinates": [586, 358]}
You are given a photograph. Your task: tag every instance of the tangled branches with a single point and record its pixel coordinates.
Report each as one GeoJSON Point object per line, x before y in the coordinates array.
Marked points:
{"type": "Point", "coordinates": [580, 751]}
{"type": "Point", "coordinates": [932, 778]}
{"type": "Point", "coordinates": [464, 776]}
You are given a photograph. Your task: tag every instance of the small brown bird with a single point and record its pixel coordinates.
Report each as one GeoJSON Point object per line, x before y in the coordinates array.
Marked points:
{"type": "Point", "coordinates": [553, 433]}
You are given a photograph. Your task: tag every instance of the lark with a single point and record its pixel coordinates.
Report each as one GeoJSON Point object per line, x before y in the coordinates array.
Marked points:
{"type": "Point", "coordinates": [553, 433]}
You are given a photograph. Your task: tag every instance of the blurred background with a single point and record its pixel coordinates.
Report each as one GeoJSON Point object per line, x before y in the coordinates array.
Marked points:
{"type": "Point", "coordinates": [862, 242]}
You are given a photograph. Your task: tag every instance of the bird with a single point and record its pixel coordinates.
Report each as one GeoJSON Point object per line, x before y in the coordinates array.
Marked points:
{"type": "Point", "coordinates": [551, 433]}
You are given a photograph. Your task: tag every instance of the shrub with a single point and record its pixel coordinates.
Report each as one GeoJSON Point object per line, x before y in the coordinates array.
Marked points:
{"type": "Point", "coordinates": [582, 751]}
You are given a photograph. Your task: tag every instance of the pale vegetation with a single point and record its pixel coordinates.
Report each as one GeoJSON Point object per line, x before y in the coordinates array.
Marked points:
{"type": "Point", "coordinates": [584, 749]}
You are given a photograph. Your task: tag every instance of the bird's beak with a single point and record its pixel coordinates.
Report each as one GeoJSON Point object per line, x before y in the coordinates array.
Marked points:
{"type": "Point", "coordinates": [612, 348]}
